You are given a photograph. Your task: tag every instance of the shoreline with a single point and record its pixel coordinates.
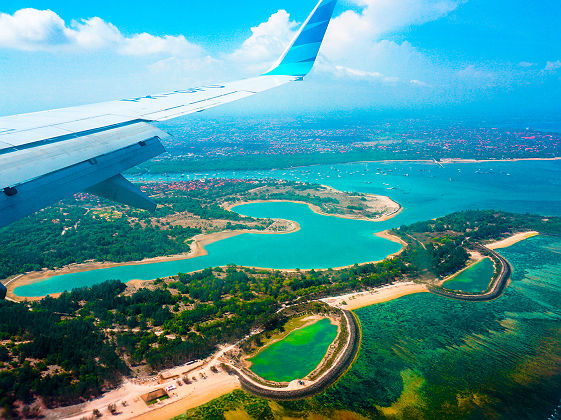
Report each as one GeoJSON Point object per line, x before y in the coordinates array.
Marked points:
{"type": "Point", "coordinates": [197, 250]}
{"type": "Point", "coordinates": [387, 201]}
{"type": "Point", "coordinates": [358, 300]}
{"type": "Point", "coordinates": [455, 160]}
{"type": "Point", "coordinates": [312, 165]}
{"type": "Point", "coordinates": [512, 240]}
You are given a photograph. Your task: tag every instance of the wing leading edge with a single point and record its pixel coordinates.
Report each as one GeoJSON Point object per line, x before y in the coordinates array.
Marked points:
{"type": "Point", "coordinates": [46, 156]}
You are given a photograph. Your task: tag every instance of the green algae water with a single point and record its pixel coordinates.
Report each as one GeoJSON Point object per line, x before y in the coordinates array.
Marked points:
{"type": "Point", "coordinates": [297, 355]}
{"type": "Point", "coordinates": [475, 279]}
{"type": "Point", "coordinates": [429, 357]}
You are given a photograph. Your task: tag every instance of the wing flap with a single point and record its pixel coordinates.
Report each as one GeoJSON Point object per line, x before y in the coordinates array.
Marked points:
{"type": "Point", "coordinates": [120, 190]}
{"type": "Point", "coordinates": [46, 190]}
{"type": "Point", "coordinates": [22, 165]}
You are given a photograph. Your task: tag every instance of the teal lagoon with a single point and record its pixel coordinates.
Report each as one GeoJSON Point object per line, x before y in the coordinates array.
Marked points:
{"type": "Point", "coordinates": [297, 355]}
{"type": "Point", "coordinates": [321, 242]}
{"type": "Point", "coordinates": [475, 279]}
{"type": "Point", "coordinates": [425, 191]}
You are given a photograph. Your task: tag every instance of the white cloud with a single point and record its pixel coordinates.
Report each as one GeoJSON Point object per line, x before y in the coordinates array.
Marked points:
{"type": "Point", "coordinates": [358, 74]}
{"type": "Point", "coordinates": [379, 17]}
{"type": "Point", "coordinates": [146, 44]}
{"type": "Point", "coordinates": [44, 30]}
{"type": "Point", "coordinates": [93, 33]}
{"type": "Point", "coordinates": [420, 83]}
{"type": "Point", "coordinates": [342, 71]}
{"type": "Point", "coordinates": [255, 55]}
{"type": "Point", "coordinates": [474, 74]}
{"type": "Point", "coordinates": [266, 43]}
{"type": "Point", "coordinates": [552, 66]}
{"type": "Point", "coordinates": [31, 29]}
{"type": "Point", "coordinates": [357, 40]}
{"type": "Point", "coordinates": [526, 64]}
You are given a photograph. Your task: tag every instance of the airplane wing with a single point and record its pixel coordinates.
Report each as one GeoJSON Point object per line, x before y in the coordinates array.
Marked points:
{"type": "Point", "coordinates": [46, 156]}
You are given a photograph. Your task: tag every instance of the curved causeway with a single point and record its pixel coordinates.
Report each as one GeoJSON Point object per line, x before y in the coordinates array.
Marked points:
{"type": "Point", "coordinates": [328, 378]}
{"type": "Point", "coordinates": [495, 289]}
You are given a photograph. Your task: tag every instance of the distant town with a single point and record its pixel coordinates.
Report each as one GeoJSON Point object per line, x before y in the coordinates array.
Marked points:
{"type": "Point", "coordinates": [279, 143]}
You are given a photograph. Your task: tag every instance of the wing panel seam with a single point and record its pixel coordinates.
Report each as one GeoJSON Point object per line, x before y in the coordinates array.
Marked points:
{"type": "Point", "coordinates": [71, 136]}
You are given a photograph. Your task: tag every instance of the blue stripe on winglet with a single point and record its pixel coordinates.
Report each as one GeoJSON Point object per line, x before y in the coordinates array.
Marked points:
{"type": "Point", "coordinates": [302, 52]}
{"type": "Point", "coordinates": [299, 58]}
{"type": "Point", "coordinates": [312, 35]}
{"type": "Point", "coordinates": [323, 13]}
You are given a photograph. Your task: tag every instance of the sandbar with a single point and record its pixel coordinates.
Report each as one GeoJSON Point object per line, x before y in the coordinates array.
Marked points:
{"type": "Point", "coordinates": [353, 301]}
{"type": "Point", "coordinates": [511, 240]}
{"type": "Point", "coordinates": [387, 202]}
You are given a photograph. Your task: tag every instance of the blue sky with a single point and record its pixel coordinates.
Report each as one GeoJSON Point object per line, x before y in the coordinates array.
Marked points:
{"type": "Point", "coordinates": [473, 55]}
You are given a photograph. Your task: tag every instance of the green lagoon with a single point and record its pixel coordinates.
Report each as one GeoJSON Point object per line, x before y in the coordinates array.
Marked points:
{"type": "Point", "coordinates": [297, 355]}
{"type": "Point", "coordinates": [475, 279]}
{"type": "Point", "coordinates": [428, 357]}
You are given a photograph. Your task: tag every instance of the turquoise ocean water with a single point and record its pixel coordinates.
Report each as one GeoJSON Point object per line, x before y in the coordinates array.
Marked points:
{"type": "Point", "coordinates": [499, 359]}
{"type": "Point", "coordinates": [425, 190]}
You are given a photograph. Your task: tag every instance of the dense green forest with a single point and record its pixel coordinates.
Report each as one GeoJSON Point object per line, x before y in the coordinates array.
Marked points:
{"type": "Point", "coordinates": [76, 346]}
{"type": "Point", "coordinates": [82, 343]}
{"type": "Point", "coordinates": [75, 232]}
{"type": "Point", "coordinates": [440, 247]}
{"type": "Point", "coordinates": [92, 229]}
{"type": "Point", "coordinates": [40, 241]}
{"type": "Point", "coordinates": [484, 225]}
{"type": "Point", "coordinates": [62, 357]}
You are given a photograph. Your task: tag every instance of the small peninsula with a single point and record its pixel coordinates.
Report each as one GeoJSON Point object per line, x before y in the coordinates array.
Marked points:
{"type": "Point", "coordinates": [65, 239]}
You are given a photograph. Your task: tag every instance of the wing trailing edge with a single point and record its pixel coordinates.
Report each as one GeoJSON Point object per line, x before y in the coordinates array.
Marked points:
{"type": "Point", "coordinates": [122, 191]}
{"type": "Point", "coordinates": [49, 155]}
